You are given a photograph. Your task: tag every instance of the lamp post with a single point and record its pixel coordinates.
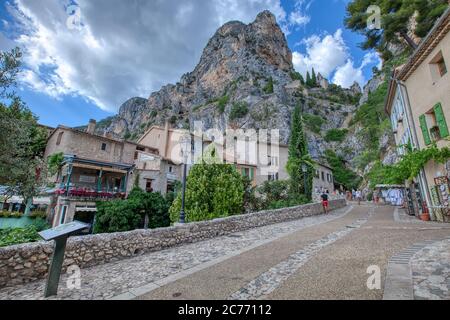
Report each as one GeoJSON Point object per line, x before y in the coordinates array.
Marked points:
{"type": "Point", "coordinates": [185, 147]}
{"type": "Point", "coordinates": [305, 172]}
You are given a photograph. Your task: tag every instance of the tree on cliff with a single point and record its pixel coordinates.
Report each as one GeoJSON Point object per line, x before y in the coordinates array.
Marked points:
{"type": "Point", "coordinates": [299, 157]}
{"type": "Point", "coordinates": [313, 78]}
{"type": "Point", "coordinates": [395, 21]}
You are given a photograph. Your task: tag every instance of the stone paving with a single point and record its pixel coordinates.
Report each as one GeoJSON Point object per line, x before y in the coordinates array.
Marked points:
{"type": "Point", "coordinates": [431, 272]}
{"type": "Point", "coordinates": [112, 279]}
{"type": "Point", "coordinates": [268, 281]}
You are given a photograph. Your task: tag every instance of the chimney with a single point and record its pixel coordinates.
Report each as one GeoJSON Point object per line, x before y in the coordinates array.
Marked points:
{"type": "Point", "coordinates": [164, 140]}
{"type": "Point", "coordinates": [91, 126]}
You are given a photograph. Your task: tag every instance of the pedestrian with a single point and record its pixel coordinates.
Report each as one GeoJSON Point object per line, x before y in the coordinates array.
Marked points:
{"type": "Point", "coordinates": [324, 197]}
{"type": "Point", "coordinates": [358, 196]}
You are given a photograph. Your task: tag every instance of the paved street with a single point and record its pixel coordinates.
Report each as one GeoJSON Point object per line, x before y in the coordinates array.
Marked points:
{"type": "Point", "coordinates": [322, 257]}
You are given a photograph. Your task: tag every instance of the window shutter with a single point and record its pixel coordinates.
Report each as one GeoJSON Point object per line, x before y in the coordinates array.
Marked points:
{"type": "Point", "coordinates": [424, 127]}
{"type": "Point", "coordinates": [243, 172]}
{"type": "Point", "coordinates": [440, 119]}
{"type": "Point", "coordinates": [251, 173]}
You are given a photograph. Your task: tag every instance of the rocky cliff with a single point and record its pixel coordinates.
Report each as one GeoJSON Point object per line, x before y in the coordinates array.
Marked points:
{"type": "Point", "coordinates": [245, 79]}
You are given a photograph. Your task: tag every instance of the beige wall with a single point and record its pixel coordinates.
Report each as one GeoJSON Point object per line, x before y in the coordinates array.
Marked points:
{"type": "Point", "coordinates": [318, 182]}
{"type": "Point", "coordinates": [426, 88]}
{"type": "Point", "coordinates": [90, 147]}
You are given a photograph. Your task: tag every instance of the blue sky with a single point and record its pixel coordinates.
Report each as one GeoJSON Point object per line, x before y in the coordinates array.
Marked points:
{"type": "Point", "coordinates": [84, 58]}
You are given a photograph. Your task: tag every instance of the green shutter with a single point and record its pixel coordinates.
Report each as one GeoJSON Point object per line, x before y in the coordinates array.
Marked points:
{"type": "Point", "coordinates": [440, 119]}
{"type": "Point", "coordinates": [243, 172]}
{"type": "Point", "coordinates": [424, 127]}
{"type": "Point", "coordinates": [251, 173]}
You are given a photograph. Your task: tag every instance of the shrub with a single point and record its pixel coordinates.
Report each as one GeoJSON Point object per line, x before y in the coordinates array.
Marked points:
{"type": "Point", "coordinates": [14, 236]}
{"type": "Point", "coordinates": [153, 205]}
{"type": "Point", "coordinates": [313, 122]}
{"type": "Point", "coordinates": [341, 173]}
{"type": "Point", "coordinates": [268, 88]}
{"type": "Point", "coordinates": [38, 214]}
{"type": "Point", "coordinates": [41, 224]}
{"type": "Point", "coordinates": [212, 191]}
{"type": "Point", "coordinates": [116, 216]}
{"type": "Point", "coordinates": [238, 110]}
{"type": "Point", "coordinates": [337, 135]}
{"type": "Point", "coordinates": [222, 103]}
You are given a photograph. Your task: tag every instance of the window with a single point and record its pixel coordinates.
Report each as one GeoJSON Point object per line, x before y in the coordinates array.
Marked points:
{"type": "Point", "coordinates": [323, 176]}
{"type": "Point", "coordinates": [434, 125]}
{"type": "Point", "coordinates": [63, 214]}
{"type": "Point", "coordinates": [329, 179]}
{"type": "Point", "coordinates": [170, 169]}
{"type": "Point", "coordinates": [103, 146]}
{"type": "Point", "coordinates": [148, 185]}
{"type": "Point", "coordinates": [438, 67]}
{"type": "Point", "coordinates": [58, 140]}
{"type": "Point", "coordinates": [273, 177]}
{"type": "Point", "coordinates": [317, 174]}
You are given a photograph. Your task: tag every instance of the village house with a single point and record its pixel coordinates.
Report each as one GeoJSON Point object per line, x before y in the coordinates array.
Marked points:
{"type": "Point", "coordinates": [259, 161]}
{"type": "Point", "coordinates": [418, 104]}
{"type": "Point", "coordinates": [98, 168]}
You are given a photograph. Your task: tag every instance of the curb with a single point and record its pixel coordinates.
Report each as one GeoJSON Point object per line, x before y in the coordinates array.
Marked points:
{"type": "Point", "coordinates": [399, 281]}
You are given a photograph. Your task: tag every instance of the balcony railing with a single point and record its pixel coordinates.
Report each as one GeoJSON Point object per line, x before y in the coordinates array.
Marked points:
{"type": "Point", "coordinates": [86, 192]}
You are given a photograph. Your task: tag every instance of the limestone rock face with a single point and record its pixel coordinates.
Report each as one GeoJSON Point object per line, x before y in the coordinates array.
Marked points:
{"type": "Point", "coordinates": [246, 65]}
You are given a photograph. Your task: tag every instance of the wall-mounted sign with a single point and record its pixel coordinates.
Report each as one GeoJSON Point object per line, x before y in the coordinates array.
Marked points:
{"type": "Point", "coordinates": [87, 179]}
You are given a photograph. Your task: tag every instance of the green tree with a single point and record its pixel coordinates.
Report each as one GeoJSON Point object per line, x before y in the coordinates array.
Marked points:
{"type": "Point", "coordinates": [22, 141]}
{"type": "Point", "coordinates": [152, 207]}
{"type": "Point", "coordinates": [308, 79]}
{"type": "Point", "coordinates": [341, 173]}
{"type": "Point", "coordinates": [117, 216]}
{"type": "Point", "coordinates": [395, 17]}
{"type": "Point", "coordinates": [213, 190]}
{"type": "Point", "coordinates": [299, 157]}
{"type": "Point", "coordinates": [313, 78]}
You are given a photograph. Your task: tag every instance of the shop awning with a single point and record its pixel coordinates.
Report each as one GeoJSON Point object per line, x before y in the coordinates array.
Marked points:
{"type": "Point", "coordinates": [92, 167]}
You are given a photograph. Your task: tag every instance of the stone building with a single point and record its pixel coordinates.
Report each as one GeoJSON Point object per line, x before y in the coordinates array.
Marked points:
{"type": "Point", "coordinates": [258, 161]}
{"type": "Point", "coordinates": [98, 168]}
{"type": "Point", "coordinates": [418, 104]}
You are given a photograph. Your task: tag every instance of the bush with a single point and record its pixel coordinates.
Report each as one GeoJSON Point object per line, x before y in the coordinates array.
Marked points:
{"type": "Point", "coordinates": [337, 135]}
{"type": "Point", "coordinates": [341, 173]}
{"type": "Point", "coordinates": [222, 103]}
{"type": "Point", "coordinates": [129, 214]}
{"type": "Point", "coordinates": [153, 205]}
{"type": "Point", "coordinates": [116, 216]}
{"type": "Point", "coordinates": [38, 214]}
{"type": "Point", "coordinates": [41, 224]}
{"type": "Point", "coordinates": [277, 195]}
{"type": "Point", "coordinates": [212, 191]}
{"type": "Point", "coordinates": [14, 236]}
{"type": "Point", "coordinates": [238, 110]}
{"type": "Point", "coordinates": [268, 88]}
{"type": "Point", "coordinates": [313, 122]}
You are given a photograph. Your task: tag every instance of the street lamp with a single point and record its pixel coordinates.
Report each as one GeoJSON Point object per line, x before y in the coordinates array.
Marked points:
{"type": "Point", "coordinates": [185, 148]}
{"type": "Point", "coordinates": [305, 172]}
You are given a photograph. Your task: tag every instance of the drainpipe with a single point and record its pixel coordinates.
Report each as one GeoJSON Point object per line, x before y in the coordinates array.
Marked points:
{"type": "Point", "coordinates": [412, 128]}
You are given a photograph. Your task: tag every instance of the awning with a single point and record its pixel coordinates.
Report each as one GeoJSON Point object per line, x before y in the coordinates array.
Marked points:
{"type": "Point", "coordinates": [36, 200]}
{"type": "Point", "coordinates": [92, 167]}
{"type": "Point", "coordinates": [85, 209]}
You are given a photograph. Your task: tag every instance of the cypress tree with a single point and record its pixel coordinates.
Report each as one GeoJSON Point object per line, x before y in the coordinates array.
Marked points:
{"type": "Point", "coordinates": [313, 79]}
{"type": "Point", "coordinates": [308, 79]}
{"type": "Point", "coordinates": [299, 156]}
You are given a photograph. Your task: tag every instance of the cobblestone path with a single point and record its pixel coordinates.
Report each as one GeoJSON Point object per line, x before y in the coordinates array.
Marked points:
{"type": "Point", "coordinates": [116, 278]}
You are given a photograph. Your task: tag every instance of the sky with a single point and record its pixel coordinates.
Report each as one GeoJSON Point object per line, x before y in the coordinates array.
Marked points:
{"type": "Point", "coordinates": [83, 59]}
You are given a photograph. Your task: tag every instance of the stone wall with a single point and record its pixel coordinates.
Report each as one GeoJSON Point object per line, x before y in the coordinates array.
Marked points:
{"type": "Point", "coordinates": [29, 262]}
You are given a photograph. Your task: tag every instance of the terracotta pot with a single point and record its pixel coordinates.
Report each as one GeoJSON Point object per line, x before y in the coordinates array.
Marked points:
{"type": "Point", "coordinates": [425, 217]}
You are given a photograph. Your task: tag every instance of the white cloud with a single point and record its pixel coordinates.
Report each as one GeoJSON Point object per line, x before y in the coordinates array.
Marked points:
{"type": "Point", "coordinates": [297, 18]}
{"type": "Point", "coordinates": [330, 56]}
{"type": "Point", "coordinates": [348, 74]}
{"type": "Point", "coordinates": [323, 54]}
{"type": "Point", "coordinates": [123, 48]}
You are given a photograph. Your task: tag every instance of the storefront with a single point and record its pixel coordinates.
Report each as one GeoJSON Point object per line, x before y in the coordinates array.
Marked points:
{"type": "Point", "coordinates": [440, 193]}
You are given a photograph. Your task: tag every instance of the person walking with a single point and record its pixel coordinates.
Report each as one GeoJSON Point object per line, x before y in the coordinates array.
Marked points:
{"type": "Point", "coordinates": [358, 196]}
{"type": "Point", "coordinates": [325, 203]}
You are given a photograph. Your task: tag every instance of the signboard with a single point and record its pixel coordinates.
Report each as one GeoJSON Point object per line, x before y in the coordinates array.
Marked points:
{"type": "Point", "coordinates": [63, 230]}
{"type": "Point", "coordinates": [60, 235]}
{"type": "Point", "coordinates": [87, 179]}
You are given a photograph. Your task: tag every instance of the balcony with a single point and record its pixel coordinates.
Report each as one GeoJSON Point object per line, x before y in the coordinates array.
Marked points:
{"type": "Point", "coordinates": [86, 192]}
